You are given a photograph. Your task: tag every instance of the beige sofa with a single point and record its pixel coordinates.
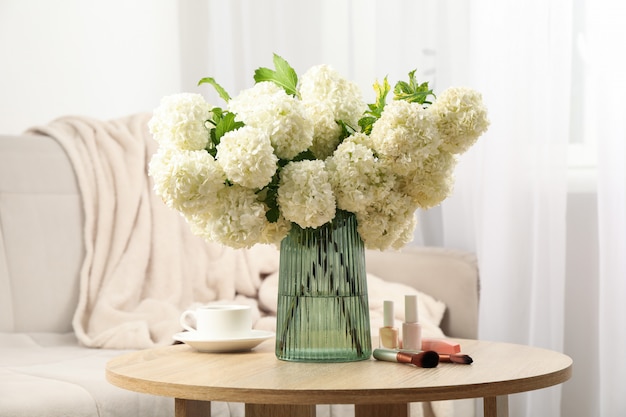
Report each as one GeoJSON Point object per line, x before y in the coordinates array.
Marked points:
{"type": "Point", "coordinates": [44, 371]}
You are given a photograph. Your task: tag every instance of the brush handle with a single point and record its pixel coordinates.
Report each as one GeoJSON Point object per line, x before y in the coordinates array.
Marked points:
{"type": "Point", "coordinates": [456, 358]}
{"type": "Point", "coordinates": [427, 359]}
{"type": "Point", "coordinates": [392, 356]}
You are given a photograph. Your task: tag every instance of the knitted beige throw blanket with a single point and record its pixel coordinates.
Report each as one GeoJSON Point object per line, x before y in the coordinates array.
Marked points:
{"type": "Point", "coordinates": [142, 265]}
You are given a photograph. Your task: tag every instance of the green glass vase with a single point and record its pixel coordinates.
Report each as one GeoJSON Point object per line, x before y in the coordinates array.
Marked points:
{"type": "Point", "coordinates": [323, 310]}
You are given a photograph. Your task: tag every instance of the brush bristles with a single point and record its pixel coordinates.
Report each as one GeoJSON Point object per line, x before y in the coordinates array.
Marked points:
{"type": "Point", "coordinates": [426, 359]}
{"type": "Point", "coordinates": [465, 359]}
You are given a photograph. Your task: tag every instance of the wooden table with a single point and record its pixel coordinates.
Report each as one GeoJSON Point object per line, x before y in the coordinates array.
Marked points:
{"type": "Point", "coordinates": [271, 387]}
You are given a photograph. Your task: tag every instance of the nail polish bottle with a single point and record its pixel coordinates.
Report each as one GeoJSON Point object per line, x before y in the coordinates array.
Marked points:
{"type": "Point", "coordinates": [411, 328]}
{"type": "Point", "coordinates": [388, 334]}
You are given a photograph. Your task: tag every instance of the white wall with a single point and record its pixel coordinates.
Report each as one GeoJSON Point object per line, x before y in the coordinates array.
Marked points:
{"type": "Point", "coordinates": [96, 58]}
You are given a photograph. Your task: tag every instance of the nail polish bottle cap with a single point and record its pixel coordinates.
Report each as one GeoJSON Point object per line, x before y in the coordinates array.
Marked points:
{"type": "Point", "coordinates": [388, 313]}
{"type": "Point", "coordinates": [410, 308]}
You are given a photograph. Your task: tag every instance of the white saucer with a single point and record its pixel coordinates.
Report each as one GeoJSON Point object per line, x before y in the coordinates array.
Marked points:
{"type": "Point", "coordinates": [241, 344]}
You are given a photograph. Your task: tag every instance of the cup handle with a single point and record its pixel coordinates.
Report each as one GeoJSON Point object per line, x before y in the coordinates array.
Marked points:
{"type": "Point", "coordinates": [183, 320]}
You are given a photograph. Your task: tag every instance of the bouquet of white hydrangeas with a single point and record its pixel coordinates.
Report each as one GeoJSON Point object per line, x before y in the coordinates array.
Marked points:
{"type": "Point", "coordinates": [292, 150]}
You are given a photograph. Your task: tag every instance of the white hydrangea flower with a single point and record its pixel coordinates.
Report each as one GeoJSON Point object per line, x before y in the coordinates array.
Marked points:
{"type": "Point", "coordinates": [305, 195]}
{"type": "Point", "coordinates": [460, 117]}
{"type": "Point", "coordinates": [275, 232]}
{"type": "Point", "coordinates": [247, 157]}
{"type": "Point", "coordinates": [268, 107]}
{"type": "Point", "coordinates": [431, 184]}
{"type": "Point", "coordinates": [186, 180]}
{"type": "Point", "coordinates": [363, 139]}
{"type": "Point", "coordinates": [404, 136]}
{"type": "Point", "coordinates": [328, 97]}
{"type": "Point", "coordinates": [326, 131]}
{"type": "Point", "coordinates": [180, 122]}
{"type": "Point", "coordinates": [357, 177]}
{"type": "Point", "coordinates": [388, 223]}
{"type": "Point", "coordinates": [405, 232]}
{"type": "Point", "coordinates": [235, 219]}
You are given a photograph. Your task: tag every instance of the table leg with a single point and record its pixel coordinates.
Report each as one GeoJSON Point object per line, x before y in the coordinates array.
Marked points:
{"type": "Point", "coordinates": [377, 410]}
{"type": "Point", "coordinates": [496, 406]}
{"type": "Point", "coordinates": [279, 410]}
{"type": "Point", "coordinates": [191, 408]}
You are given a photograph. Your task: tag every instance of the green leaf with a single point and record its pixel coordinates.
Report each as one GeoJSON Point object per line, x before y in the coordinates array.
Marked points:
{"type": "Point", "coordinates": [381, 96]}
{"type": "Point", "coordinates": [412, 91]}
{"type": "Point", "coordinates": [375, 109]}
{"type": "Point", "coordinates": [367, 123]}
{"type": "Point", "coordinates": [223, 122]}
{"type": "Point", "coordinates": [216, 115]}
{"type": "Point", "coordinates": [269, 196]}
{"type": "Point", "coordinates": [303, 156]}
{"type": "Point", "coordinates": [226, 124]}
{"type": "Point", "coordinates": [272, 214]}
{"type": "Point", "coordinates": [284, 75]}
{"type": "Point", "coordinates": [346, 130]}
{"type": "Point", "coordinates": [211, 146]}
{"type": "Point", "coordinates": [220, 90]}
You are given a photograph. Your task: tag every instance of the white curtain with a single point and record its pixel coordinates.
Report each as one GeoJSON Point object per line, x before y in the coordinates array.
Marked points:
{"type": "Point", "coordinates": [607, 69]}
{"type": "Point", "coordinates": [360, 38]}
{"type": "Point", "coordinates": [510, 200]}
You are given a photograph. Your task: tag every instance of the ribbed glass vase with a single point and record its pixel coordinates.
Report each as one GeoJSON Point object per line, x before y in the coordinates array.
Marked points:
{"type": "Point", "coordinates": [323, 310]}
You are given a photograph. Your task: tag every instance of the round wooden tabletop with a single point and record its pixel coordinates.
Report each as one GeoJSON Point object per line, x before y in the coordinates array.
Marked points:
{"type": "Point", "coordinates": [258, 377]}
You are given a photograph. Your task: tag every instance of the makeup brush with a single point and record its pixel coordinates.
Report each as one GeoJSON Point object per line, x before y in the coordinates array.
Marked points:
{"type": "Point", "coordinates": [426, 359]}
{"type": "Point", "coordinates": [456, 358]}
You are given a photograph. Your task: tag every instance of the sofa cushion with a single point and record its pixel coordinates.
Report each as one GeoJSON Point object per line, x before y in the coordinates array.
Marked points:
{"type": "Point", "coordinates": [52, 369]}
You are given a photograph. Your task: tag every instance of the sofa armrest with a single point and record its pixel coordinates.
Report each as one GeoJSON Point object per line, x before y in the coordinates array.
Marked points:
{"type": "Point", "coordinates": [447, 275]}
{"type": "Point", "coordinates": [41, 244]}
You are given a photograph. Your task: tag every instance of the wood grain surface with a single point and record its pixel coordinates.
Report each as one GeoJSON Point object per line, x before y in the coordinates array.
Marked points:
{"type": "Point", "coordinates": [257, 377]}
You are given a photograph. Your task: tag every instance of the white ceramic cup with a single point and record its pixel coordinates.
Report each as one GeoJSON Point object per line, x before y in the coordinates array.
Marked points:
{"type": "Point", "coordinates": [219, 321]}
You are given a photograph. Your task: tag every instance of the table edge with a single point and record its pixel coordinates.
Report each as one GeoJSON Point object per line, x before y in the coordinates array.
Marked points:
{"type": "Point", "coordinates": [340, 396]}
